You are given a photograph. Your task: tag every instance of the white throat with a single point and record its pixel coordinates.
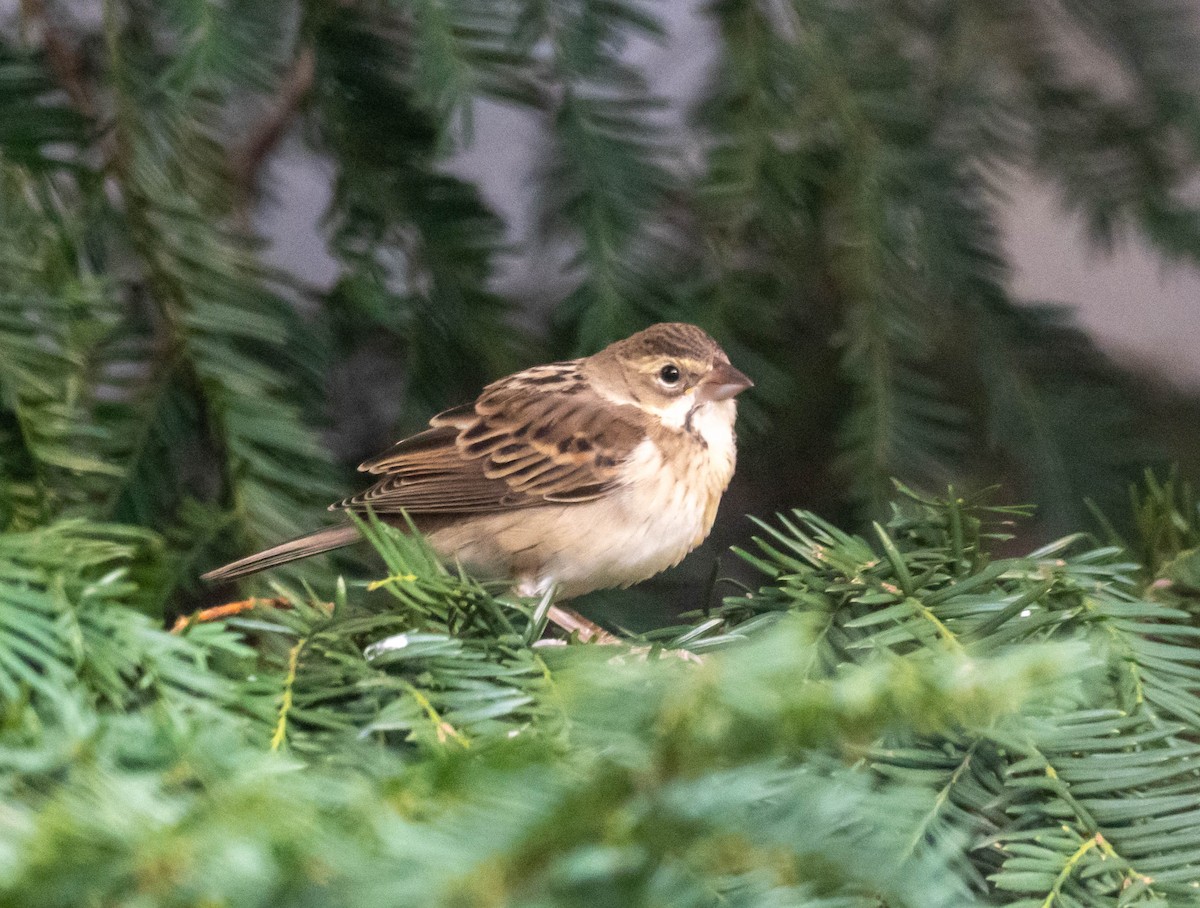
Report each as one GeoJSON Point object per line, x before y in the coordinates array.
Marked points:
{"type": "Point", "coordinates": [711, 420]}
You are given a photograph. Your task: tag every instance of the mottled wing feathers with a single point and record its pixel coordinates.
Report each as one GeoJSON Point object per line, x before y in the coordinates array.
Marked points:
{"type": "Point", "coordinates": [539, 436]}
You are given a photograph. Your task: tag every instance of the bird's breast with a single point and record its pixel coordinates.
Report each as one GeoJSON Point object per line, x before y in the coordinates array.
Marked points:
{"type": "Point", "coordinates": [673, 486]}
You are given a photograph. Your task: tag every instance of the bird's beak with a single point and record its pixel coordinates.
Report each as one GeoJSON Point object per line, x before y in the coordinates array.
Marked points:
{"type": "Point", "coordinates": [722, 383]}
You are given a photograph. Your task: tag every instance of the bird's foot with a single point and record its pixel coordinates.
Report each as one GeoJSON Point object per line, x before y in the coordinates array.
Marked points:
{"type": "Point", "coordinates": [576, 625]}
{"type": "Point", "coordinates": [587, 631]}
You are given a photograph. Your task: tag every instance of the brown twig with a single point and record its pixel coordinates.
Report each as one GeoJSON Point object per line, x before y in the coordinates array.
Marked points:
{"type": "Point", "coordinates": [244, 163]}
{"type": "Point", "coordinates": [227, 610]}
{"type": "Point", "coordinates": [64, 57]}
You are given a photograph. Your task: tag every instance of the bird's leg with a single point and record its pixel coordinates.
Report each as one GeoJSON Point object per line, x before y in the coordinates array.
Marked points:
{"type": "Point", "coordinates": [587, 631]}
{"type": "Point", "coordinates": [574, 623]}
{"type": "Point", "coordinates": [567, 619]}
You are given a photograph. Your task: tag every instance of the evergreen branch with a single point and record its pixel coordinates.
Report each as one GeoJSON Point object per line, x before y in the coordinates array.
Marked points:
{"type": "Point", "coordinates": [416, 245]}
{"type": "Point", "coordinates": [1151, 669]}
{"type": "Point", "coordinates": [1122, 139]}
{"type": "Point", "coordinates": [285, 702]}
{"type": "Point", "coordinates": [64, 60]}
{"type": "Point", "coordinates": [848, 154]}
{"type": "Point", "coordinates": [37, 130]}
{"type": "Point", "coordinates": [69, 623]}
{"type": "Point", "coordinates": [214, 302]}
{"type": "Point", "coordinates": [52, 313]}
{"type": "Point", "coordinates": [990, 745]}
{"type": "Point", "coordinates": [55, 322]}
{"type": "Point", "coordinates": [610, 176]}
{"type": "Point", "coordinates": [1110, 874]}
{"type": "Point", "coordinates": [1031, 384]}
{"type": "Point", "coordinates": [466, 50]}
{"type": "Point", "coordinates": [228, 610]}
{"type": "Point", "coordinates": [297, 82]}
{"type": "Point", "coordinates": [1137, 178]}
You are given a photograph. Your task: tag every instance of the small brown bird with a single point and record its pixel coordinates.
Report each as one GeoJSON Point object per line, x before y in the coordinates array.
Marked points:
{"type": "Point", "coordinates": [574, 476]}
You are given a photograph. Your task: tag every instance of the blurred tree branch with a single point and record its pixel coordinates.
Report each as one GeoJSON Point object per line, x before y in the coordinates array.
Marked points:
{"type": "Point", "coordinates": [247, 159]}
{"type": "Point", "coordinates": [62, 53]}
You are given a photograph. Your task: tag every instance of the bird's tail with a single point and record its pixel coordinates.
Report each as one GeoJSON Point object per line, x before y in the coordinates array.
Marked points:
{"type": "Point", "coordinates": [312, 544]}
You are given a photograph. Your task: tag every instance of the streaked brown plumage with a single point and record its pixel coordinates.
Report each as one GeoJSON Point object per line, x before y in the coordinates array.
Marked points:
{"type": "Point", "coordinates": [580, 475]}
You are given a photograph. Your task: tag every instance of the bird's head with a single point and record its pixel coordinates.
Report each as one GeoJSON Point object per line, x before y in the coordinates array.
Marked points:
{"type": "Point", "coordinates": [669, 369]}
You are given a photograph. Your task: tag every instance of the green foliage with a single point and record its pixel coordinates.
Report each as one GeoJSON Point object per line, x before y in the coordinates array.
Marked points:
{"type": "Point", "coordinates": [1071, 778]}
{"type": "Point", "coordinates": [828, 210]}
{"type": "Point", "coordinates": [34, 118]}
{"type": "Point", "coordinates": [903, 721]}
{"type": "Point", "coordinates": [73, 633]}
{"type": "Point", "coordinates": [55, 318]}
{"type": "Point", "coordinates": [141, 340]}
{"type": "Point", "coordinates": [913, 716]}
{"type": "Point", "coordinates": [233, 338]}
{"type": "Point", "coordinates": [608, 175]}
{"type": "Point", "coordinates": [396, 219]}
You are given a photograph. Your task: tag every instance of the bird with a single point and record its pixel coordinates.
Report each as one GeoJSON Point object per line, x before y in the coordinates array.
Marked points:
{"type": "Point", "coordinates": [563, 478]}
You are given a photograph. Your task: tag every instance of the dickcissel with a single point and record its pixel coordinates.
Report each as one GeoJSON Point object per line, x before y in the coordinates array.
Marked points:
{"type": "Point", "coordinates": [573, 476]}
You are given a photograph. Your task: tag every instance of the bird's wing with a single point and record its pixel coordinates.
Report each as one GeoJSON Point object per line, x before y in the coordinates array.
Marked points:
{"type": "Point", "coordinates": [539, 436]}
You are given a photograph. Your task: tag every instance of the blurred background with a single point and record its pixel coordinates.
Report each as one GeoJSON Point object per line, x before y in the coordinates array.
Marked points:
{"type": "Point", "coordinates": [244, 245]}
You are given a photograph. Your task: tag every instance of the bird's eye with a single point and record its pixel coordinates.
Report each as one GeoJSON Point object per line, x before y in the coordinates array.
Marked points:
{"type": "Point", "coordinates": [669, 374]}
